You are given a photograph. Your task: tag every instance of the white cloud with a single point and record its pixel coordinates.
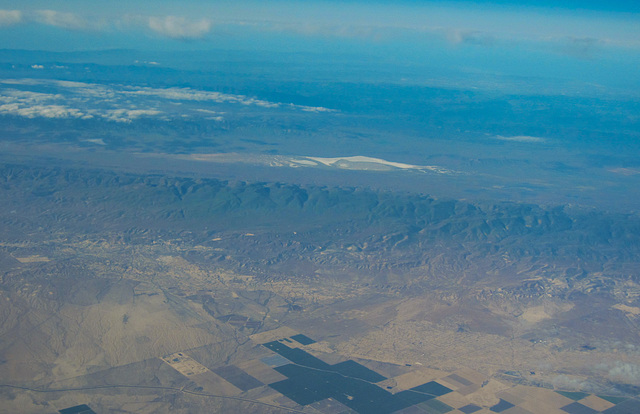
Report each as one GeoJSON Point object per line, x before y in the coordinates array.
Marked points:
{"type": "Point", "coordinates": [312, 108]}
{"type": "Point", "coordinates": [184, 94]}
{"type": "Point", "coordinates": [118, 103]}
{"type": "Point", "coordinates": [187, 94]}
{"type": "Point", "coordinates": [625, 372]}
{"type": "Point", "coordinates": [21, 81]}
{"type": "Point", "coordinates": [42, 111]}
{"type": "Point", "coordinates": [470, 37]}
{"type": "Point", "coordinates": [88, 90]}
{"type": "Point", "coordinates": [42, 105]}
{"type": "Point", "coordinates": [578, 32]}
{"type": "Point", "coordinates": [216, 115]}
{"type": "Point", "coordinates": [28, 97]}
{"type": "Point", "coordinates": [10, 17]}
{"type": "Point", "coordinates": [60, 19]}
{"type": "Point", "coordinates": [71, 84]}
{"type": "Point", "coordinates": [127, 115]}
{"type": "Point", "coordinates": [98, 141]}
{"type": "Point", "coordinates": [571, 382]}
{"type": "Point", "coordinates": [207, 111]}
{"type": "Point", "coordinates": [179, 27]}
{"type": "Point", "coordinates": [521, 138]}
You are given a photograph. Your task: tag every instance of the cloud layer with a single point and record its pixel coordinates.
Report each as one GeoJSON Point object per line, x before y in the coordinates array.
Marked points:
{"type": "Point", "coordinates": [10, 17]}
{"type": "Point", "coordinates": [479, 26]}
{"type": "Point", "coordinates": [64, 20]}
{"type": "Point", "coordinates": [178, 27]}
{"type": "Point", "coordinates": [125, 104]}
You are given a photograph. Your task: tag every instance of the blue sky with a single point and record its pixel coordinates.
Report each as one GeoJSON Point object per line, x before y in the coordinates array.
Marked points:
{"type": "Point", "coordinates": [595, 41]}
{"type": "Point", "coordinates": [613, 25]}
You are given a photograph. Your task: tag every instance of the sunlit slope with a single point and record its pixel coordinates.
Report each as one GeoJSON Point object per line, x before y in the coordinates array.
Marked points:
{"type": "Point", "coordinates": [80, 326]}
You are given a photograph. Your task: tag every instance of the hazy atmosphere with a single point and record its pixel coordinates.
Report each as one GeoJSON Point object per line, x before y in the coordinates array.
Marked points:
{"type": "Point", "coordinates": [320, 207]}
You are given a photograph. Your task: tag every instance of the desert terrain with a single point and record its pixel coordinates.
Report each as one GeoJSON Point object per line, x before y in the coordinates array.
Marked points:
{"type": "Point", "coordinates": [150, 293]}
